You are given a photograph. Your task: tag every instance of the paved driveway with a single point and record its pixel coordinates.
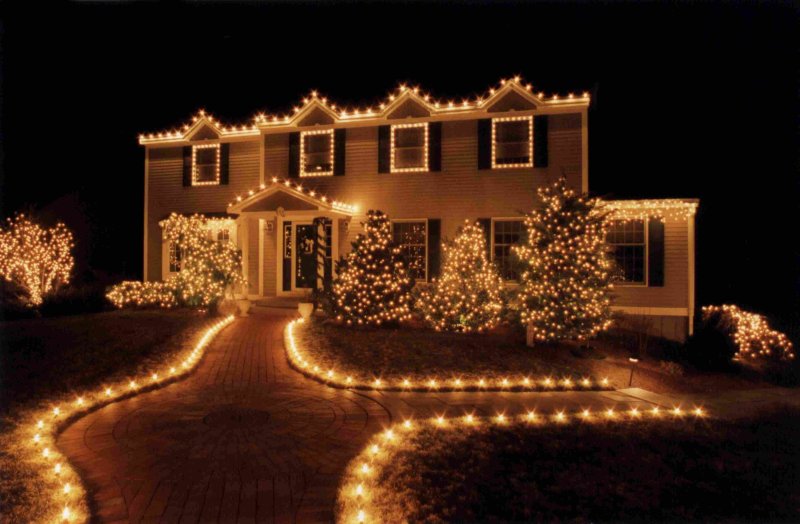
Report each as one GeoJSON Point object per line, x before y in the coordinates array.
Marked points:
{"type": "Point", "coordinates": [247, 439]}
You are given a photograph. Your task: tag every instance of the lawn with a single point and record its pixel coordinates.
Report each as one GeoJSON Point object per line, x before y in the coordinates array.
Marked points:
{"type": "Point", "coordinates": [417, 355]}
{"type": "Point", "coordinates": [663, 470]}
{"type": "Point", "coordinates": [44, 360]}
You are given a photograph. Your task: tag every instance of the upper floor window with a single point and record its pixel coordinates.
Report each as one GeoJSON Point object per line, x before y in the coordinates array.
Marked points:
{"type": "Point", "coordinates": [412, 238]}
{"type": "Point", "coordinates": [205, 164]}
{"type": "Point", "coordinates": [512, 141]}
{"type": "Point", "coordinates": [409, 147]}
{"type": "Point", "coordinates": [507, 233]}
{"type": "Point", "coordinates": [316, 153]}
{"type": "Point", "coordinates": [629, 249]}
{"type": "Point", "coordinates": [223, 236]}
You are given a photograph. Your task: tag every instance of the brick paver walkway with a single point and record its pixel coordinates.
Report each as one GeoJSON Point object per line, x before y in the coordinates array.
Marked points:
{"type": "Point", "coordinates": [247, 439]}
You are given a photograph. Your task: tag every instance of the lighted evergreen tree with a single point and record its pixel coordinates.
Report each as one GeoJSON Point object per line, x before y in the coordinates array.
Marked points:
{"type": "Point", "coordinates": [566, 283]}
{"type": "Point", "coordinates": [373, 285]}
{"type": "Point", "coordinates": [467, 296]}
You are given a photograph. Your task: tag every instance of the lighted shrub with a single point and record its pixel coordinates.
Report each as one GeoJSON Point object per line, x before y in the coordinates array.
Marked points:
{"type": "Point", "coordinates": [468, 295]}
{"type": "Point", "coordinates": [373, 285]}
{"type": "Point", "coordinates": [208, 270]}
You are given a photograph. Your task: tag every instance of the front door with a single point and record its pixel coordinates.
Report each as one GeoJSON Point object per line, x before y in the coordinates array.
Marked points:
{"type": "Point", "coordinates": [305, 273]}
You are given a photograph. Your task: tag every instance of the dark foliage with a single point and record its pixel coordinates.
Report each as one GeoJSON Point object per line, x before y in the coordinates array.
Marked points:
{"type": "Point", "coordinates": [711, 348]}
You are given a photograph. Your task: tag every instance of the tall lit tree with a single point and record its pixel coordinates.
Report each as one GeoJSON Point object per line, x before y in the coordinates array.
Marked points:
{"type": "Point", "coordinates": [208, 269]}
{"type": "Point", "coordinates": [566, 282]}
{"type": "Point", "coordinates": [373, 285]}
{"type": "Point", "coordinates": [467, 296]}
{"type": "Point", "coordinates": [35, 259]}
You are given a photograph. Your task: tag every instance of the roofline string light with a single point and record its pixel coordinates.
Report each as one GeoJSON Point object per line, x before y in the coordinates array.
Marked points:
{"type": "Point", "coordinates": [68, 502]}
{"type": "Point", "coordinates": [298, 360]}
{"type": "Point", "coordinates": [336, 205]}
{"type": "Point", "coordinates": [393, 99]}
{"type": "Point", "coordinates": [360, 492]}
{"type": "Point", "coordinates": [661, 209]}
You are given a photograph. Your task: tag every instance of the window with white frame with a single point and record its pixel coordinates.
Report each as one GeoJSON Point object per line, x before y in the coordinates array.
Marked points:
{"type": "Point", "coordinates": [506, 234]}
{"type": "Point", "coordinates": [412, 239]}
{"type": "Point", "coordinates": [205, 164]}
{"type": "Point", "coordinates": [174, 257]}
{"type": "Point", "coordinates": [629, 248]}
{"type": "Point", "coordinates": [223, 236]}
{"type": "Point", "coordinates": [512, 141]}
{"type": "Point", "coordinates": [409, 147]}
{"type": "Point", "coordinates": [316, 153]}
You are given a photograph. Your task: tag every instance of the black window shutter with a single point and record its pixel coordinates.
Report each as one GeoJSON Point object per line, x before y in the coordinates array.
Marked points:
{"type": "Point", "coordinates": [384, 148]}
{"type": "Point", "coordinates": [287, 261]}
{"type": "Point", "coordinates": [540, 141]}
{"type": "Point", "coordinates": [486, 224]}
{"type": "Point", "coordinates": [434, 247]}
{"type": "Point", "coordinates": [339, 145]}
{"type": "Point", "coordinates": [435, 146]}
{"type": "Point", "coordinates": [655, 253]}
{"type": "Point", "coordinates": [485, 143]}
{"type": "Point", "coordinates": [294, 155]}
{"type": "Point", "coordinates": [187, 166]}
{"type": "Point", "coordinates": [224, 156]}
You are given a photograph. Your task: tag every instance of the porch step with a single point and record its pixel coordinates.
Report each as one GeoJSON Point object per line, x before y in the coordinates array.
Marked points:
{"type": "Point", "coordinates": [278, 302]}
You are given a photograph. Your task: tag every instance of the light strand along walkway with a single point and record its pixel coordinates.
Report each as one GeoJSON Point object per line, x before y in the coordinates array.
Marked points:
{"type": "Point", "coordinates": [246, 439]}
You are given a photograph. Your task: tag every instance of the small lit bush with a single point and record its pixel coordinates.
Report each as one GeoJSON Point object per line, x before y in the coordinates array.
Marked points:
{"type": "Point", "coordinates": [373, 285]}
{"type": "Point", "coordinates": [468, 295]}
{"type": "Point", "coordinates": [208, 270]}
{"type": "Point", "coordinates": [728, 332]}
{"type": "Point", "coordinates": [751, 333]}
{"type": "Point", "coordinates": [37, 260]}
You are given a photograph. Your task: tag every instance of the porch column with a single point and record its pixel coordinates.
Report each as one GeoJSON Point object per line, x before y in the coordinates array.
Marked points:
{"type": "Point", "coordinates": [321, 246]}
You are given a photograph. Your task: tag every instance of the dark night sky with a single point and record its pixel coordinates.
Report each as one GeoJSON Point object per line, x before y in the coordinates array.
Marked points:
{"type": "Point", "coordinates": [688, 101]}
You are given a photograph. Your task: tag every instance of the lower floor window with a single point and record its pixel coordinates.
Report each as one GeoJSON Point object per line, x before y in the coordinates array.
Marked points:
{"type": "Point", "coordinates": [507, 233]}
{"type": "Point", "coordinates": [174, 257]}
{"type": "Point", "coordinates": [628, 247]}
{"type": "Point", "coordinates": [411, 237]}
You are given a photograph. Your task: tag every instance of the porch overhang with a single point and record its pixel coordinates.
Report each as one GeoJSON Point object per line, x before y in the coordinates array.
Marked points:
{"type": "Point", "coordinates": [290, 196]}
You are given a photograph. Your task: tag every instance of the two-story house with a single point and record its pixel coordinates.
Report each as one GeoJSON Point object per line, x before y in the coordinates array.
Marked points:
{"type": "Point", "coordinates": [275, 184]}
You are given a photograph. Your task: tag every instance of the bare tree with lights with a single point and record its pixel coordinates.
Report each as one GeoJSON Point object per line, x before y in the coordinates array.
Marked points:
{"type": "Point", "coordinates": [35, 259]}
{"type": "Point", "coordinates": [373, 285]}
{"type": "Point", "coordinates": [468, 295]}
{"type": "Point", "coordinates": [565, 290]}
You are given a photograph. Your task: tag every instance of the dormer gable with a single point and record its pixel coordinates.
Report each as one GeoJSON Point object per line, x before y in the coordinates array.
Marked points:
{"type": "Point", "coordinates": [510, 98]}
{"type": "Point", "coordinates": [409, 106]}
{"type": "Point", "coordinates": [315, 114]}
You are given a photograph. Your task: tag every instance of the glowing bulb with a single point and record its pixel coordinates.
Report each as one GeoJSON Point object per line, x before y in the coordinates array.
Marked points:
{"type": "Point", "coordinates": [108, 392]}
{"type": "Point", "coordinates": [605, 381]}
{"type": "Point", "coordinates": [610, 412]}
{"type": "Point", "coordinates": [359, 490]}
{"type": "Point", "coordinates": [676, 410]}
{"type": "Point", "coordinates": [365, 468]}
{"type": "Point", "coordinates": [440, 420]}
{"type": "Point", "coordinates": [501, 418]}
{"type": "Point", "coordinates": [57, 468]}
{"type": "Point", "coordinates": [407, 424]}
{"type": "Point", "coordinates": [375, 449]}
{"type": "Point", "coordinates": [470, 418]}
{"type": "Point", "coordinates": [40, 424]}
{"type": "Point", "coordinates": [389, 434]}
{"type": "Point", "coordinates": [56, 411]}
{"type": "Point", "coordinates": [361, 515]}
{"type": "Point", "coordinates": [699, 411]}
{"type": "Point", "coordinates": [67, 488]}
{"type": "Point", "coordinates": [655, 410]}
{"type": "Point", "coordinates": [37, 438]}
{"type": "Point", "coordinates": [65, 514]}
{"type": "Point", "coordinates": [560, 416]}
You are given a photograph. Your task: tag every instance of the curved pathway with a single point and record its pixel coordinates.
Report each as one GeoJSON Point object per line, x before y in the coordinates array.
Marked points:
{"type": "Point", "coordinates": [246, 439]}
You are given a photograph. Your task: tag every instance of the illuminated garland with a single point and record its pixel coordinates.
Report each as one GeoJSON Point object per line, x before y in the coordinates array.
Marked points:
{"type": "Point", "coordinates": [362, 499]}
{"type": "Point", "coordinates": [208, 269]}
{"type": "Point", "coordinates": [37, 260]}
{"type": "Point", "coordinates": [373, 285]}
{"type": "Point", "coordinates": [467, 297]}
{"type": "Point", "coordinates": [52, 469]}
{"type": "Point", "coordinates": [382, 109]}
{"type": "Point", "coordinates": [565, 286]}
{"type": "Point", "coordinates": [462, 382]}
{"type": "Point", "coordinates": [751, 333]}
